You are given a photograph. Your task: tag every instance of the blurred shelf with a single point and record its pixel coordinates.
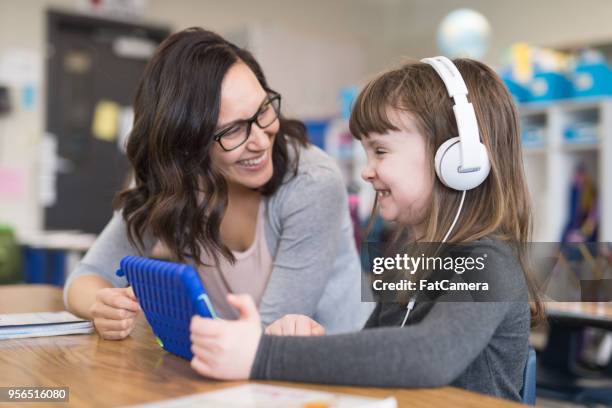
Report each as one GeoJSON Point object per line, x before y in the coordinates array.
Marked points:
{"type": "Point", "coordinates": [580, 147]}
{"type": "Point", "coordinates": [568, 105]}
{"type": "Point", "coordinates": [550, 164]}
{"type": "Point", "coordinates": [534, 150]}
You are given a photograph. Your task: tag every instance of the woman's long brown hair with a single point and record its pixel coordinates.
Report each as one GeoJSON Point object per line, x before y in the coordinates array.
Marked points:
{"type": "Point", "coordinates": [501, 206]}
{"type": "Point", "coordinates": [177, 196]}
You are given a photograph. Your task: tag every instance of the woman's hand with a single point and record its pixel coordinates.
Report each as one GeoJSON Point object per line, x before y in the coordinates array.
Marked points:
{"type": "Point", "coordinates": [114, 312]}
{"type": "Point", "coordinates": [225, 349]}
{"type": "Point", "coordinates": [295, 325]}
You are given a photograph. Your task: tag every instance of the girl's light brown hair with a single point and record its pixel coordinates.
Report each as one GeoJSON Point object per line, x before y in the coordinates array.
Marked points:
{"type": "Point", "coordinates": [501, 206]}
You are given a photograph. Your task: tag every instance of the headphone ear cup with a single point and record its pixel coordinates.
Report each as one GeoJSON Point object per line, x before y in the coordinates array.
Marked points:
{"type": "Point", "coordinates": [440, 153]}
{"type": "Point", "coordinates": [448, 161]}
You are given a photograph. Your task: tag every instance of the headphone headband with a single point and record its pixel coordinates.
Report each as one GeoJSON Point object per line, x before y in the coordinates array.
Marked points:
{"type": "Point", "coordinates": [450, 75]}
{"type": "Point", "coordinates": [465, 116]}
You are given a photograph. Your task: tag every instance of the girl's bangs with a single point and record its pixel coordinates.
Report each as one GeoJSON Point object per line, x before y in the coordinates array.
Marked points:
{"type": "Point", "coordinates": [369, 114]}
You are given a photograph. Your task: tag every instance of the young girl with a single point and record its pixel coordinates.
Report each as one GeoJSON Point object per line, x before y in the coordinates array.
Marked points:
{"type": "Point", "coordinates": [228, 184]}
{"type": "Point", "coordinates": [402, 118]}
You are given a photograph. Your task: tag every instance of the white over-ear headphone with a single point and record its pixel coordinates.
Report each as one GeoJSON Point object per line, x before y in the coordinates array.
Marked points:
{"type": "Point", "coordinates": [461, 162]}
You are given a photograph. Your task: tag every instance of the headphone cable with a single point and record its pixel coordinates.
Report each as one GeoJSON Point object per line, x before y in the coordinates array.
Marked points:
{"type": "Point", "coordinates": [412, 301]}
{"type": "Point", "coordinates": [456, 217]}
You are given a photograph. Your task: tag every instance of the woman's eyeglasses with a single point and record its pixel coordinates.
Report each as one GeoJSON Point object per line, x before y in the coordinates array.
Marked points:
{"type": "Point", "coordinates": [236, 134]}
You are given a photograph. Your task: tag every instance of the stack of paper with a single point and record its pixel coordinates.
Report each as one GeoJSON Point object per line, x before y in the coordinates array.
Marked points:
{"type": "Point", "coordinates": [13, 326]}
{"type": "Point", "coordinates": [270, 396]}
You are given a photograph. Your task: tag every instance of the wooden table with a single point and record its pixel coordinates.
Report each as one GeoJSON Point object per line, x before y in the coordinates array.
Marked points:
{"type": "Point", "coordinates": [136, 370]}
{"type": "Point", "coordinates": [557, 372]}
{"type": "Point", "coordinates": [593, 314]}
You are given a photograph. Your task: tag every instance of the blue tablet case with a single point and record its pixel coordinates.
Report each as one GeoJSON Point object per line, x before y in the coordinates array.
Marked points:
{"type": "Point", "coordinates": [169, 294]}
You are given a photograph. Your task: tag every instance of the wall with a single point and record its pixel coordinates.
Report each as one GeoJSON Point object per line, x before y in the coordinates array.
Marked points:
{"type": "Point", "coordinates": [411, 25]}
{"type": "Point", "coordinates": [374, 33]}
{"type": "Point", "coordinates": [344, 24]}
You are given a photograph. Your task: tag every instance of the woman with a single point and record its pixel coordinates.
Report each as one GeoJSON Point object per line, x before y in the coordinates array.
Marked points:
{"type": "Point", "coordinates": [226, 183]}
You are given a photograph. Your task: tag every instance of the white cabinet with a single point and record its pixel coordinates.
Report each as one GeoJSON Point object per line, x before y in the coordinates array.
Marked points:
{"type": "Point", "coordinates": [550, 164]}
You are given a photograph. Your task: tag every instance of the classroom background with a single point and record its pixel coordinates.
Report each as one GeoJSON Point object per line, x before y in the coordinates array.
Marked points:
{"type": "Point", "coordinates": [69, 70]}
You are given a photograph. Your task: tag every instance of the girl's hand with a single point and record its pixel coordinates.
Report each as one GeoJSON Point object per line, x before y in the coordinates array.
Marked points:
{"type": "Point", "coordinates": [225, 349]}
{"type": "Point", "coordinates": [114, 312]}
{"type": "Point", "coordinates": [295, 325]}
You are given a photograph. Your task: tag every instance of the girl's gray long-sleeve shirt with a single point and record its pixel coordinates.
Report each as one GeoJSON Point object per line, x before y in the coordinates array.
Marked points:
{"type": "Point", "coordinates": [479, 346]}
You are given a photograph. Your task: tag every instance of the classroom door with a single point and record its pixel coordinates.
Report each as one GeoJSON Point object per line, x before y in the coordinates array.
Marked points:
{"type": "Point", "coordinates": [93, 69]}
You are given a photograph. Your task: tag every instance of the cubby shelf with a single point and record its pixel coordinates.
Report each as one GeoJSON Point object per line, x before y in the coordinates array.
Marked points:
{"type": "Point", "coordinates": [550, 165]}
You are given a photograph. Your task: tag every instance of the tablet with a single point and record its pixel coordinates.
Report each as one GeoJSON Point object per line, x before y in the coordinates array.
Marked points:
{"type": "Point", "coordinates": [169, 294]}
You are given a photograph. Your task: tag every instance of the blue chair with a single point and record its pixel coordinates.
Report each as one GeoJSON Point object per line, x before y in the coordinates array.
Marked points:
{"type": "Point", "coordinates": [528, 393]}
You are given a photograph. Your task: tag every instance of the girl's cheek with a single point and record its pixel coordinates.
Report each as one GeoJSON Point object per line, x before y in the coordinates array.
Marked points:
{"type": "Point", "coordinates": [423, 207]}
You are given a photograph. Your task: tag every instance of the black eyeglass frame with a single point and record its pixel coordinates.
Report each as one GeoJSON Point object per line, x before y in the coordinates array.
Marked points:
{"type": "Point", "coordinates": [271, 97]}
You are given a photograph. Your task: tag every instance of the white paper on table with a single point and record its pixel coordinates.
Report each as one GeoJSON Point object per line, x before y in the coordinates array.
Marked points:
{"type": "Point", "coordinates": [270, 396]}
{"type": "Point", "coordinates": [28, 319]}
